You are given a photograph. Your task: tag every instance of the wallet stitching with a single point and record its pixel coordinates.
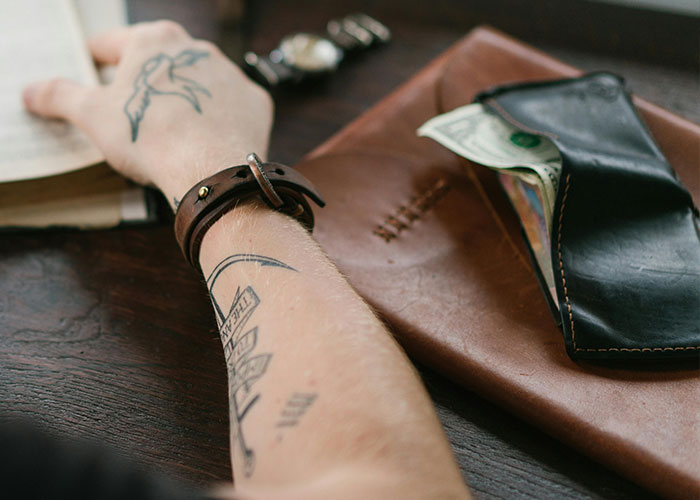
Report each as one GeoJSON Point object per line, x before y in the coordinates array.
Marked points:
{"type": "Point", "coordinates": [568, 303]}
{"type": "Point", "coordinates": [504, 114]}
{"type": "Point", "coordinates": [561, 261]}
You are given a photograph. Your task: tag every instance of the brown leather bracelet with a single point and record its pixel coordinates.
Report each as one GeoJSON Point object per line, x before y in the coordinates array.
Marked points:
{"type": "Point", "coordinates": [281, 187]}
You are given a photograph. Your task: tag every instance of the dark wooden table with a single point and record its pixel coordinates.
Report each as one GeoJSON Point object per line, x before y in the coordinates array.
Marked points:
{"type": "Point", "coordinates": [109, 334]}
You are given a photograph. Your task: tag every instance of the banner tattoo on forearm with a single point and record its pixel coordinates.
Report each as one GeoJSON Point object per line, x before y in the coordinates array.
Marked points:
{"type": "Point", "coordinates": [244, 366]}
{"type": "Point", "coordinates": [295, 408]}
{"type": "Point", "coordinates": [151, 82]}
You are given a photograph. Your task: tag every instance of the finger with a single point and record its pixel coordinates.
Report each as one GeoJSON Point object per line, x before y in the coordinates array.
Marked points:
{"type": "Point", "coordinates": [108, 47]}
{"type": "Point", "coordinates": [58, 98]}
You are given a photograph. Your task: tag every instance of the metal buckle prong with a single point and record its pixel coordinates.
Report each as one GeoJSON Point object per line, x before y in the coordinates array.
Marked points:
{"type": "Point", "coordinates": [265, 185]}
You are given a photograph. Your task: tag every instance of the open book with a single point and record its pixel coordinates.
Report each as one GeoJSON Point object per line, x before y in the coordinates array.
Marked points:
{"type": "Point", "coordinates": [44, 181]}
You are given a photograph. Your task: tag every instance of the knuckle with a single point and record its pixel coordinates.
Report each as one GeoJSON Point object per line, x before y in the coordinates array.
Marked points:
{"type": "Point", "coordinates": [168, 29]}
{"type": "Point", "coordinates": [84, 102]}
{"type": "Point", "coordinates": [63, 98]}
{"type": "Point", "coordinates": [207, 46]}
{"type": "Point", "coordinates": [148, 33]}
{"type": "Point", "coordinates": [50, 90]}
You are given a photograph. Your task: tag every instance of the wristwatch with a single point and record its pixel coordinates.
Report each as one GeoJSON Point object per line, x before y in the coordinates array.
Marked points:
{"type": "Point", "coordinates": [304, 55]}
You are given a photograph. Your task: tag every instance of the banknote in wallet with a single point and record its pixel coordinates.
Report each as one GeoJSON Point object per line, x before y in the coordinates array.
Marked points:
{"type": "Point", "coordinates": [528, 167]}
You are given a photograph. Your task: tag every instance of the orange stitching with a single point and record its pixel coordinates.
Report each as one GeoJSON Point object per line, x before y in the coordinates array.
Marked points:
{"type": "Point", "coordinates": [417, 207]}
{"type": "Point", "coordinates": [561, 261]}
{"type": "Point", "coordinates": [568, 304]}
{"type": "Point", "coordinates": [384, 233]}
{"type": "Point", "coordinates": [396, 223]}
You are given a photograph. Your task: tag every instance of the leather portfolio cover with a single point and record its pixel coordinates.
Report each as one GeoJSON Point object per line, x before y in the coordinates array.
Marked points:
{"type": "Point", "coordinates": [431, 242]}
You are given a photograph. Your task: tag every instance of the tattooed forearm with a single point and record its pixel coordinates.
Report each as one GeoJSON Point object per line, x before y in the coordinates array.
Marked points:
{"type": "Point", "coordinates": [245, 366]}
{"type": "Point", "coordinates": [295, 408]}
{"type": "Point", "coordinates": [230, 261]}
{"type": "Point", "coordinates": [244, 369]}
{"type": "Point", "coordinates": [158, 77]}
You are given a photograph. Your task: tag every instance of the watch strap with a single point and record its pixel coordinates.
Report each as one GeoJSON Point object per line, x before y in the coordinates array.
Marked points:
{"type": "Point", "coordinates": [279, 186]}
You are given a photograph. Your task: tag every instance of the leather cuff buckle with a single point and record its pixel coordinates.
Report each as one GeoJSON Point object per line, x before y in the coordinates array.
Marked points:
{"type": "Point", "coordinates": [279, 186]}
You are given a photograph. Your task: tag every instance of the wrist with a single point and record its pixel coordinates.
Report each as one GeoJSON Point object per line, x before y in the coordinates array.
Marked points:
{"type": "Point", "coordinates": [281, 187]}
{"type": "Point", "coordinates": [252, 227]}
{"type": "Point", "coordinates": [175, 184]}
{"type": "Point", "coordinates": [174, 187]}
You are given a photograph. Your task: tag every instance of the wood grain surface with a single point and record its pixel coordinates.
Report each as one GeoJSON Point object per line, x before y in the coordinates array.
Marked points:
{"type": "Point", "coordinates": [109, 334]}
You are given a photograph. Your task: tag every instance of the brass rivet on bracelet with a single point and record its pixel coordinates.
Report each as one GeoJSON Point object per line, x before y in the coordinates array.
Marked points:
{"type": "Point", "coordinates": [203, 192]}
{"type": "Point", "coordinates": [297, 211]}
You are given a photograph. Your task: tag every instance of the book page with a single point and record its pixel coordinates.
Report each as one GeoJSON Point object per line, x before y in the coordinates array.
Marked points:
{"type": "Point", "coordinates": [40, 40]}
{"type": "Point", "coordinates": [98, 16]}
{"type": "Point", "coordinates": [87, 198]}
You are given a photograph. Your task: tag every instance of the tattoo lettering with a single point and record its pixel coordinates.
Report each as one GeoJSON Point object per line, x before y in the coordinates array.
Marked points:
{"type": "Point", "coordinates": [245, 367]}
{"type": "Point", "coordinates": [296, 407]}
{"type": "Point", "coordinates": [176, 202]}
{"type": "Point", "coordinates": [149, 83]}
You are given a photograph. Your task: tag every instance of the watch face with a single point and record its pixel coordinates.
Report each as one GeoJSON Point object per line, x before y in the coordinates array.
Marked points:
{"type": "Point", "coordinates": [309, 52]}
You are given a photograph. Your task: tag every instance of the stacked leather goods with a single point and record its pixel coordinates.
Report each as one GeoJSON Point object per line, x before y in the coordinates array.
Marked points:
{"type": "Point", "coordinates": [431, 241]}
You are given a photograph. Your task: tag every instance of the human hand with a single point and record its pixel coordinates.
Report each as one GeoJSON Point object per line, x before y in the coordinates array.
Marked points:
{"type": "Point", "coordinates": [177, 111]}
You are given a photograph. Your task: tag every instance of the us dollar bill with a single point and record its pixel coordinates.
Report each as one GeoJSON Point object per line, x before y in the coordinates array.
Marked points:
{"type": "Point", "coordinates": [485, 138]}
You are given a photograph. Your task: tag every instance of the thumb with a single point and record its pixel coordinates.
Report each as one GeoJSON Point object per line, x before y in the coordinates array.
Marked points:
{"type": "Point", "coordinates": [58, 98]}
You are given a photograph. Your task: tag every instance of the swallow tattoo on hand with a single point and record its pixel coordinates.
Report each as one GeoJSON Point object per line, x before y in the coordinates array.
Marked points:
{"type": "Point", "coordinates": [146, 86]}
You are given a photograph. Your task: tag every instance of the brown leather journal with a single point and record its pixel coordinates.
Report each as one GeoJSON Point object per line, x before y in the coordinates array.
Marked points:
{"type": "Point", "coordinates": [431, 242]}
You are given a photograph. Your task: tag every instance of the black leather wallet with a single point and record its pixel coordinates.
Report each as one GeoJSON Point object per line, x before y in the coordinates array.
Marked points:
{"type": "Point", "coordinates": [625, 242]}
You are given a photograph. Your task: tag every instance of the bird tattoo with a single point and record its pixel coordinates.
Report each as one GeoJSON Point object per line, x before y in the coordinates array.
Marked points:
{"type": "Point", "coordinates": [150, 83]}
